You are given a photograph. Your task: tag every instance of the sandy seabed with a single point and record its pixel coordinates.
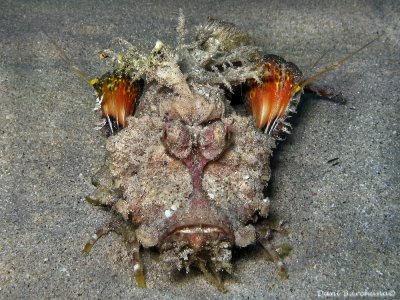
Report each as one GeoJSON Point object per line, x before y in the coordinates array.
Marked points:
{"type": "Point", "coordinates": [342, 217]}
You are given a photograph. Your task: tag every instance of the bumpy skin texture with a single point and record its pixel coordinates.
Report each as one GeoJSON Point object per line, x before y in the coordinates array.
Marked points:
{"type": "Point", "coordinates": [152, 181]}
{"type": "Point", "coordinates": [188, 172]}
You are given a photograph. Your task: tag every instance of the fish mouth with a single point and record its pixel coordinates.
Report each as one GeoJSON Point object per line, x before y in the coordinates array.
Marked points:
{"type": "Point", "coordinates": [199, 229]}
{"type": "Point", "coordinates": [203, 246]}
{"type": "Point", "coordinates": [197, 236]}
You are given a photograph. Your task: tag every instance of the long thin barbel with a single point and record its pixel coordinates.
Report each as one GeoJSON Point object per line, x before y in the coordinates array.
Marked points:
{"type": "Point", "coordinates": [68, 61]}
{"type": "Point", "coordinates": [133, 247]}
{"type": "Point", "coordinates": [311, 79]}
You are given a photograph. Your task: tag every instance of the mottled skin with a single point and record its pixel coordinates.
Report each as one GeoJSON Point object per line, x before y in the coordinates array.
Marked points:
{"type": "Point", "coordinates": [188, 172]}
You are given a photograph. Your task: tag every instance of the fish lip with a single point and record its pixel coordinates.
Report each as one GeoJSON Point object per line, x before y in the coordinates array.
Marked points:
{"type": "Point", "coordinates": [215, 232]}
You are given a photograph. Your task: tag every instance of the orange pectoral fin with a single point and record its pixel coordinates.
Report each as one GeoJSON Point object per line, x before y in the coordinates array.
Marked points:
{"type": "Point", "coordinates": [119, 96]}
{"type": "Point", "coordinates": [269, 101]}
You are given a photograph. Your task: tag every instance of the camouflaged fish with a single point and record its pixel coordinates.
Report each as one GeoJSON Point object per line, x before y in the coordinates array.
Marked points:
{"type": "Point", "coordinates": [191, 132]}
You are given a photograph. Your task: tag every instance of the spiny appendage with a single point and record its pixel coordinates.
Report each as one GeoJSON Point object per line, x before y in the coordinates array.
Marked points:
{"type": "Point", "coordinates": [283, 273]}
{"type": "Point", "coordinates": [212, 257]}
{"type": "Point", "coordinates": [277, 253]}
{"type": "Point", "coordinates": [117, 95]}
{"type": "Point", "coordinates": [127, 231]}
{"type": "Point", "coordinates": [270, 100]}
{"type": "Point", "coordinates": [324, 92]}
{"type": "Point", "coordinates": [211, 275]}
